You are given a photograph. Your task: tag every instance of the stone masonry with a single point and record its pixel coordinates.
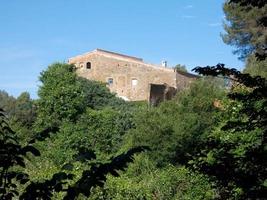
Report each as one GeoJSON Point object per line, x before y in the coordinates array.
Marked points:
{"type": "Point", "coordinates": [129, 77]}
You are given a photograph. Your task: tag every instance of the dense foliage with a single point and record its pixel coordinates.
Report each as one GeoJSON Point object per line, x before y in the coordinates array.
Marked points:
{"type": "Point", "coordinates": [143, 180]}
{"type": "Point", "coordinates": [13, 163]}
{"type": "Point", "coordinates": [204, 145]}
{"type": "Point", "coordinates": [256, 67]}
{"type": "Point", "coordinates": [245, 28]}
{"type": "Point", "coordinates": [13, 154]}
{"type": "Point", "coordinates": [208, 142]}
{"type": "Point", "coordinates": [176, 127]}
{"type": "Point", "coordinates": [77, 121]}
{"type": "Point", "coordinates": [234, 153]}
{"type": "Point", "coordinates": [61, 96]}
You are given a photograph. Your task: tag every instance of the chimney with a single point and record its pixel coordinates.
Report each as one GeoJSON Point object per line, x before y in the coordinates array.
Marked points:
{"type": "Point", "coordinates": [164, 63]}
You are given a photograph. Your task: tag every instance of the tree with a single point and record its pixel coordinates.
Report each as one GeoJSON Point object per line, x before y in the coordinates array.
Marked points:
{"type": "Point", "coordinates": [61, 97]}
{"type": "Point", "coordinates": [175, 128]}
{"type": "Point", "coordinates": [143, 180]}
{"type": "Point", "coordinates": [20, 109]}
{"type": "Point", "coordinates": [256, 67]}
{"type": "Point", "coordinates": [95, 175]}
{"type": "Point", "coordinates": [7, 103]}
{"type": "Point", "coordinates": [234, 153]}
{"type": "Point", "coordinates": [101, 131]}
{"type": "Point", "coordinates": [257, 3]}
{"type": "Point", "coordinates": [97, 95]}
{"type": "Point", "coordinates": [180, 67]}
{"type": "Point", "coordinates": [246, 27]}
{"type": "Point", "coordinates": [21, 112]}
{"type": "Point", "coordinates": [64, 96]}
{"type": "Point", "coordinates": [12, 161]}
{"type": "Point", "coordinates": [25, 110]}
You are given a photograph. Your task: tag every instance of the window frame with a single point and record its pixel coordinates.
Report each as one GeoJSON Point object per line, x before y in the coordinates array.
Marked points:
{"type": "Point", "coordinates": [134, 82]}
{"type": "Point", "coordinates": [88, 65]}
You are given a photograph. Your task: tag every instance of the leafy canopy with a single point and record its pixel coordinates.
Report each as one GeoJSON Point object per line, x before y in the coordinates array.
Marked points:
{"type": "Point", "coordinates": [175, 128]}
{"type": "Point", "coordinates": [234, 152]}
{"type": "Point", "coordinates": [246, 27]}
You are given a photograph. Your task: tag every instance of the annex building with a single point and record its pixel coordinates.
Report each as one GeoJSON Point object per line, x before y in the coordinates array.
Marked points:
{"type": "Point", "coordinates": [130, 77]}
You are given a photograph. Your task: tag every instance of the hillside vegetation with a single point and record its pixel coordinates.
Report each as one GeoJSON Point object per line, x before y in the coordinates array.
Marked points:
{"type": "Point", "coordinates": [79, 141]}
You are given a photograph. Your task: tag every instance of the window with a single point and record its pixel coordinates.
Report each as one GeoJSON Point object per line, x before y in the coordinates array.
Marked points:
{"type": "Point", "coordinates": [88, 65]}
{"type": "Point", "coordinates": [81, 65]}
{"type": "Point", "coordinates": [134, 82]}
{"type": "Point", "coordinates": [110, 81]}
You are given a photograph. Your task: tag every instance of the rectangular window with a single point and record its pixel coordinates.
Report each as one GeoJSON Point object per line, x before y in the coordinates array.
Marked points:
{"type": "Point", "coordinates": [88, 65]}
{"type": "Point", "coordinates": [134, 82]}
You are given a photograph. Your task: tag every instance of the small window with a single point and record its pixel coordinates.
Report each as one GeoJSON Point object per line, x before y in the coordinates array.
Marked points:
{"type": "Point", "coordinates": [134, 82]}
{"type": "Point", "coordinates": [81, 65]}
{"type": "Point", "coordinates": [110, 81]}
{"type": "Point", "coordinates": [88, 65]}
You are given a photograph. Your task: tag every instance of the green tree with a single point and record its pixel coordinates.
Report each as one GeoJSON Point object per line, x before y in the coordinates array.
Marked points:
{"type": "Point", "coordinates": [180, 67]}
{"type": "Point", "coordinates": [25, 110]}
{"type": "Point", "coordinates": [256, 67]}
{"type": "Point", "coordinates": [21, 112]}
{"type": "Point", "coordinates": [20, 109]}
{"type": "Point", "coordinates": [234, 152]}
{"type": "Point", "coordinates": [246, 27]}
{"type": "Point", "coordinates": [63, 96]}
{"type": "Point", "coordinates": [97, 95]}
{"type": "Point", "coordinates": [7, 103]}
{"type": "Point", "coordinates": [101, 131]}
{"type": "Point", "coordinates": [13, 158]}
{"type": "Point", "coordinates": [143, 180]}
{"type": "Point", "coordinates": [23, 117]}
{"type": "Point", "coordinates": [175, 128]}
{"type": "Point", "coordinates": [84, 107]}
{"type": "Point", "coordinates": [60, 96]}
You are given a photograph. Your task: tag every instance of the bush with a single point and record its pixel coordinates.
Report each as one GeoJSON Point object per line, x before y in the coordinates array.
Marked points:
{"type": "Point", "coordinates": [175, 128]}
{"type": "Point", "coordinates": [169, 183]}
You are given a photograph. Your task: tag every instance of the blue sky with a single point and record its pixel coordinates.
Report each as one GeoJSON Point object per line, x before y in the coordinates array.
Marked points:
{"type": "Point", "coordinates": [34, 34]}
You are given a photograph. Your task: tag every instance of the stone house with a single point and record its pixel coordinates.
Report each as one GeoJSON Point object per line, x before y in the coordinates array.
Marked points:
{"type": "Point", "coordinates": [130, 77]}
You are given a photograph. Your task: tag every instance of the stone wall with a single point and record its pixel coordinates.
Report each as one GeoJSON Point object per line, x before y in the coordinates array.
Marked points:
{"type": "Point", "coordinates": [131, 78]}
{"type": "Point", "coordinates": [183, 80]}
{"type": "Point", "coordinates": [128, 77]}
